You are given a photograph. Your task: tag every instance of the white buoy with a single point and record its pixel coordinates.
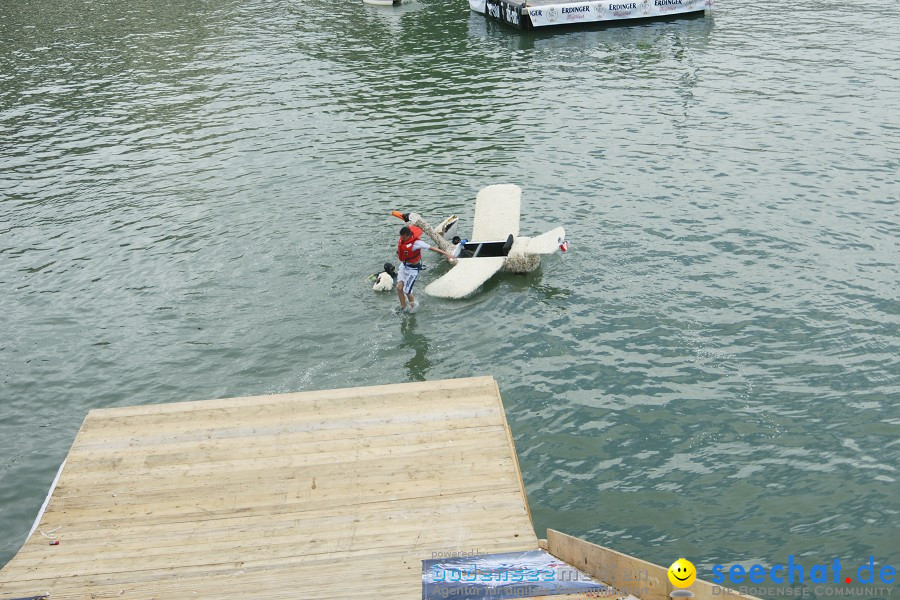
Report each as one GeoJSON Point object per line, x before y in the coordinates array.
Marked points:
{"type": "Point", "coordinates": [382, 2]}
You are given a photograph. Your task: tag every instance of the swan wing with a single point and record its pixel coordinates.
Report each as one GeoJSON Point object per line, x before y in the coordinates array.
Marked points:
{"type": "Point", "coordinates": [463, 279]}
{"type": "Point", "coordinates": [546, 243]}
{"type": "Point", "coordinates": [497, 209]}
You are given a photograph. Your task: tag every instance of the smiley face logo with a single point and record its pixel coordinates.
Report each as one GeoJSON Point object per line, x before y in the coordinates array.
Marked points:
{"type": "Point", "coordinates": [682, 573]}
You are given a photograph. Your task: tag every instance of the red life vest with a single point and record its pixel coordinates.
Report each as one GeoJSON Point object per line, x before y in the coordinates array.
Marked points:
{"type": "Point", "coordinates": [405, 250]}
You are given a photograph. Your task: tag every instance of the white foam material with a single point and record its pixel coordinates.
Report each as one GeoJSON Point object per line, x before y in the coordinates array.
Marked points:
{"type": "Point", "coordinates": [383, 283]}
{"type": "Point", "coordinates": [546, 243]}
{"type": "Point", "coordinates": [463, 279]}
{"type": "Point", "coordinates": [519, 262]}
{"type": "Point", "coordinates": [497, 209]}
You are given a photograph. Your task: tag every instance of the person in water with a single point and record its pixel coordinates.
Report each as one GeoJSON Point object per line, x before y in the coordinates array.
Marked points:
{"type": "Point", "coordinates": [409, 251]}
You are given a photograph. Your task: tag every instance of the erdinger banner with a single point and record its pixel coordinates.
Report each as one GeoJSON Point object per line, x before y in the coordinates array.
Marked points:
{"type": "Point", "coordinates": [609, 10]}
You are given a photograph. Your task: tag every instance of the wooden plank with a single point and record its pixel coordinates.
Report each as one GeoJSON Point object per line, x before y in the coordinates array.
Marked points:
{"type": "Point", "coordinates": [645, 580]}
{"type": "Point", "coordinates": [206, 467]}
{"type": "Point", "coordinates": [162, 506]}
{"type": "Point", "coordinates": [78, 558]}
{"type": "Point", "coordinates": [288, 542]}
{"type": "Point", "coordinates": [376, 575]}
{"type": "Point", "coordinates": [263, 446]}
{"type": "Point", "coordinates": [301, 524]}
{"type": "Point", "coordinates": [272, 505]}
{"type": "Point", "coordinates": [327, 566]}
{"type": "Point", "coordinates": [128, 505]}
{"type": "Point", "coordinates": [337, 409]}
{"type": "Point", "coordinates": [404, 410]}
{"type": "Point", "coordinates": [224, 438]}
{"type": "Point", "coordinates": [380, 506]}
{"type": "Point", "coordinates": [351, 394]}
{"type": "Point", "coordinates": [326, 429]}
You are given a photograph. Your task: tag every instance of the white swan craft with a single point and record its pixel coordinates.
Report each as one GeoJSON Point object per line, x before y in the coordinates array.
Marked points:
{"type": "Point", "coordinates": [496, 243]}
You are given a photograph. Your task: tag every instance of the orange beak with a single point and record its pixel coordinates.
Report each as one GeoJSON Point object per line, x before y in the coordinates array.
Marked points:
{"type": "Point", "coordinates": [399, 215]}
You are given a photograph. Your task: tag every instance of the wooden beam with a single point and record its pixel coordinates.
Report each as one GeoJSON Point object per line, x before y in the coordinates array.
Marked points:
{"type": "Point", "coordinates": [640, 578]}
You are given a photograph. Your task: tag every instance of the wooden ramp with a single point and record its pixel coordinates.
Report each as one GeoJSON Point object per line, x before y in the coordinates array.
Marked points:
{"type": "Point", "coordinates": [331, 494]}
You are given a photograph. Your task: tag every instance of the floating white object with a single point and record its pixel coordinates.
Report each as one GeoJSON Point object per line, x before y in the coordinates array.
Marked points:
{"type": "Point", "coordinates": [383, 283]}
{"type": "Point", "coordinates": [466, 277]}
{"type": "Point", "coordinates": [381, 2]}
{"type": "Point", "coordinates": [496, 243]}
{"type": "Point", "coordinates": [497, 210]}
{"type": "Point", "coordinates": [546, 243]}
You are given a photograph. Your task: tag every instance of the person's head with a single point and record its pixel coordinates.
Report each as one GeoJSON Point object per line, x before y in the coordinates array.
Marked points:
{"type": "Point", "coordinates": [405, 233]}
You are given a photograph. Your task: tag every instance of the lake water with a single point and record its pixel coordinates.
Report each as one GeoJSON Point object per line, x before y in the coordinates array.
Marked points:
{"type": "Point", "coordinates": [193, 194]}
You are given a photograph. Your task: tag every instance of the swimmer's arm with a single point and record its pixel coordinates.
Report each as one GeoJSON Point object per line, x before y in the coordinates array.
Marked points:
{"type": "Point", "coordinates": [439, 251]}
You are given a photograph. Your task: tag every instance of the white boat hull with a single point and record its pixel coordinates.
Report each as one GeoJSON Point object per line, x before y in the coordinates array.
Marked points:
{"type": "Point", "coordinates": [519, 14]}
{"type": "Point", "coordinates": [610, 10]}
